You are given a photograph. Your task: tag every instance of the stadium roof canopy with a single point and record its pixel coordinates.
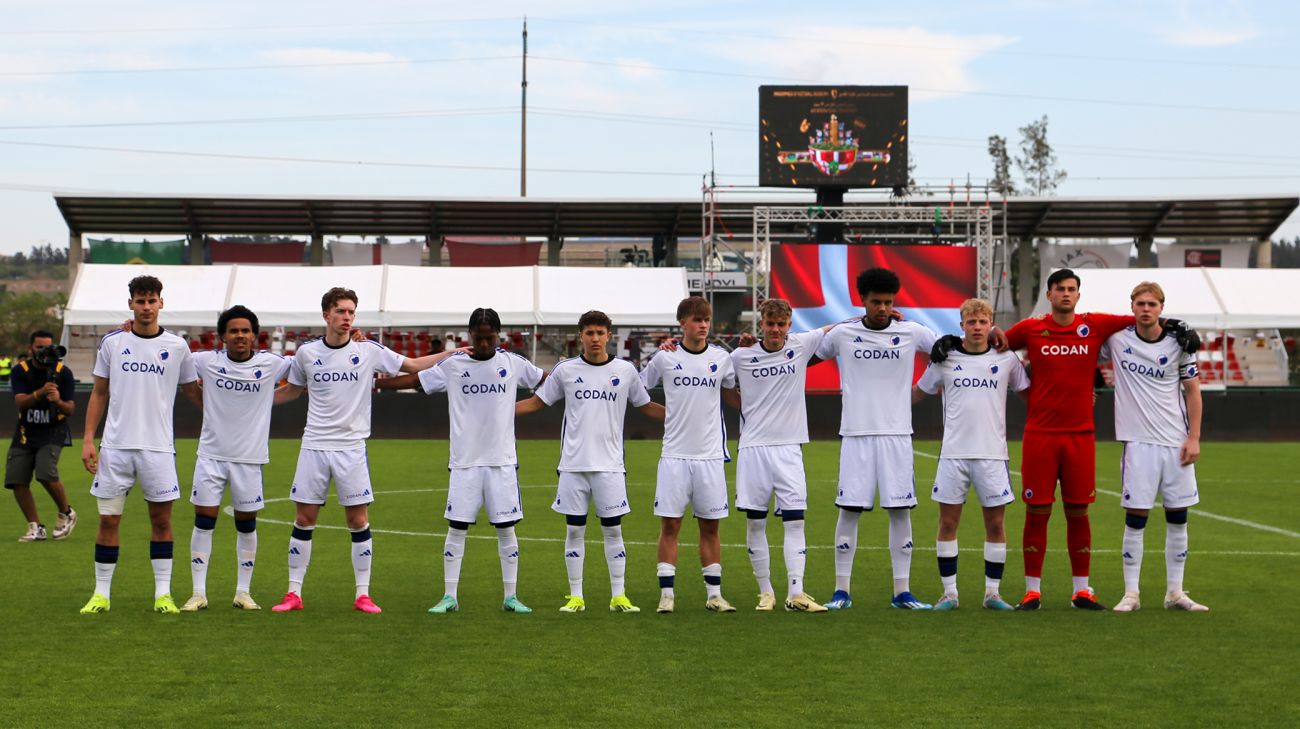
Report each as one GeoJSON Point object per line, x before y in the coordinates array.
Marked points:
{"type": "Point", "coordinates": [1140, 217]}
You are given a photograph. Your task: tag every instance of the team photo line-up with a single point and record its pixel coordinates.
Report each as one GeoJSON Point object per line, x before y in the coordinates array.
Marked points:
{"type": "Point", "coordinates": [139, 368]}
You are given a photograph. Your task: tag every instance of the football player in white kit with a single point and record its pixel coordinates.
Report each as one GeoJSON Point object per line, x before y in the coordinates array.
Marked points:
{"type": "Point", "coordinates": [239, 385]}
{"type": "Point", "coordinates": [481, 389]}
{"type": "Point", "coordinates": [339, 373]}
{"type": "Point", "coordinates": [773, 428]}
{"type": "Point", "coordinates": [877, 358]}
{"type": "Point", "coordinates": [1158, 419]}
{"type": "Point", "coordinates": [975, 380]}
{"type": "Point", "coordinates": [694, 449]}
{"type": "Point", "coordinates": [136, 376]}
{"type": "Point", "coordinates": [596, 389]}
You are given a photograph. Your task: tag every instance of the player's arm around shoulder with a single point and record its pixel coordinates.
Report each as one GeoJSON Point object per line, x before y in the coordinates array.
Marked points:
{"type": "Point", "coordinates": [412, 365]}
{"type": "Point", "coordinates": [408, 381]}
{"type": "Point", "coordinates": [930, 382]}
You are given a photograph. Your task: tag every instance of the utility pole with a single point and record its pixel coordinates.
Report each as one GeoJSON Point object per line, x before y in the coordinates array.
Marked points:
{"type": "Point", "coordinates": [523, 120]}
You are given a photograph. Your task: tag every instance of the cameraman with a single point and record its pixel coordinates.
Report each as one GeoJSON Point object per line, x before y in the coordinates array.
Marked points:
{"type": "Point", "coordinates": [43, 390]}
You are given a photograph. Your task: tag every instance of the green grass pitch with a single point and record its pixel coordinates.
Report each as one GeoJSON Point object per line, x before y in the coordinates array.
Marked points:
{"type": "Point", "coordinates": [330, 666]}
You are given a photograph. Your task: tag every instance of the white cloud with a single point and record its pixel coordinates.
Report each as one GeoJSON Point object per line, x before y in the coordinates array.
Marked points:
{"type": "Point", "coordinates": [1203, 24]}
{"type": "Point", "coordinates": [935, 63]}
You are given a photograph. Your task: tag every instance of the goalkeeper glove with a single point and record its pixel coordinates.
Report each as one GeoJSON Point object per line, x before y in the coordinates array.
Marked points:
{"type": "Point", "coordinates": [1187, 338]}
{"type": "Point", "coordinates": [944, 345]}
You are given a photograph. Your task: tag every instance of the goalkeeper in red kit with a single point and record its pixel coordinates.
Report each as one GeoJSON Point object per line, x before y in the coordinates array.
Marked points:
{"type": "Point", "coordinates": [1062, 348]}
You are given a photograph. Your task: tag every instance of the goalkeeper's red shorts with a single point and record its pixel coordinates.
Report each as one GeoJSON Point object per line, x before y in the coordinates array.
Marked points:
{"type": "Point", "coordinates": [1070, 458]}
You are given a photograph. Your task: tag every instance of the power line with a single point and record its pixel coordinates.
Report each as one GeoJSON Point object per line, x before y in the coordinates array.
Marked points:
{"type": "Point", "coordinates": [238, 28]}
{"type": "Point", "coordinates": [347, 162]}
{"type": "Point", "coordinates": [253, 67]}
{"type": "Point", "coordinates": [1127, 103]}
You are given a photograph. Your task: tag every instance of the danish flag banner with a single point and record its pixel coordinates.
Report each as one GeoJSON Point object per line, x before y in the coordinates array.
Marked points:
{"type": "Point", "coordinates": [819, 281]}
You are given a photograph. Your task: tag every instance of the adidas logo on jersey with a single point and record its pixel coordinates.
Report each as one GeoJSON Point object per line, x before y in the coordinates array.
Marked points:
{"type": "Point", "coordinates": [126, 351]}
{"type": "Point", "coordinates": [317, 363]}
{"type": "Point", "coordinates": [957, 368]}
{"type": "Point", "coordinates": [753, 360]}
{"type": "Point", "coordinates": [221, 370]}
{"type": "Point", "coordinates": [464, 374]}
{"type": "Point", "coordinates": [857, 340]}
{"type": "Point", "coordinates": [1128, 350]}
{"type": "Point", "coordinates": [578, 381]}
{"type": "Point", "coordinates": [678, 366]}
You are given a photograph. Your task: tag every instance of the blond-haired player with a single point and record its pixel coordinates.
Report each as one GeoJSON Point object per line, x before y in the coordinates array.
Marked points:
{"type": "Point", "coordinates": [1158, 419]}
{"type": "Point", "coordinates": [975, 380]}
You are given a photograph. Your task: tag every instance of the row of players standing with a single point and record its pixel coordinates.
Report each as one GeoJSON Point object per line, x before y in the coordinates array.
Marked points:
{"type": "Point", "coordinates": [481, 384]}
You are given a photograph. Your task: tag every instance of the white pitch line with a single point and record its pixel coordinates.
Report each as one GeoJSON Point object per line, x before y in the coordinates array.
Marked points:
{"type": "Point", "coordinates": [555, 540]}
{"type": "Point", "coordinates": [1198, 512]}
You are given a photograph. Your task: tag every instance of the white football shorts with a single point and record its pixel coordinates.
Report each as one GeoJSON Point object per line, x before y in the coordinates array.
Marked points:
{"type": "Point", "coordinates": [608, 489]}
{"type": "Point", "coordinates": [212, 475]}
{"type": "Point", "coordinates": [350, 470]}
{"type": "Point", "coordinates": [990, 477]}
{"type": "Point", "coordinates": [494, 487]}
{"type": "Point", "coordinates": [876, 462]}
{"type": "Point", "coordinates": [1149, 469]}
{"type": "Point", "coordinates": [762, 471]}
{"type": "Point", "coordinates": [700, 483]}
{"type": "Point", "coordinates": [120, 468]}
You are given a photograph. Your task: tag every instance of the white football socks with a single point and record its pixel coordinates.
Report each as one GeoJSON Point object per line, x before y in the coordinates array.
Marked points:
{"type": "Point", "coordinates": [900, 548]}
{"type": "Point", "coordinates": [200, 554]}
{"type": "Point", "coordinates": [662, 570]}
{"type": "Point", "coordinates": [508, 551]}
{"type": "Point", "coordinates": [846, 546]}
{"type": "Point", "coordinates": [712, 580]}
{"type": "Point", "coordinates": [795, 550]}
{"type": "Point", "coordinates": [1132, 555]}
{"type": "Point", "coordinates": [615, 557]}
{"type": "Point", "coordinates": [995, 553]}
{"type": "Point", "coordinates": [453, 553]}
{"type": "Point", "coordinates": [1175, 557]}
{"type": "Point", "coordinates": [246, 551]}
{"type": "Point", "coordinates": [362, 553]}
{"type": "Point", "coordinates": [947, 550]}
{"type": "Point", "coordinates": [299, 559]}
{"type": "Point", "coordinates": [574, 552]}
{"type": "Point", "coordinates": [759, 556]}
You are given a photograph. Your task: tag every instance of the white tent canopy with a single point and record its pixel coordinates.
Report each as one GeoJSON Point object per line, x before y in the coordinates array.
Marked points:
{"type": "Point", "coordinates": [1207, 298]}
{"type": "Point", "coordinates": [192, 295]}
{"type": "Point", "coordinates": [444, 297]}
{"type": "Point", "coordinates": [391, 296]}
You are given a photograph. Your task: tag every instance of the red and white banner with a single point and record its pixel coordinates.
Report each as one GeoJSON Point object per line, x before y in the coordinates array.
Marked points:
{"type": "Point", "coordinates": [819, 281]}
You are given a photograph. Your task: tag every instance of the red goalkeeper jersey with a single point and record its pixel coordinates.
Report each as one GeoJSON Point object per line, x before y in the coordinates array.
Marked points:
{"type": "Point", "coordinates": [1062, 360]}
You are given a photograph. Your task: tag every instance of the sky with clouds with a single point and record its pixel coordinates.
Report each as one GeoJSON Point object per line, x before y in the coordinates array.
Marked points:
{"type": "Point", "coordinates": [394, 97]}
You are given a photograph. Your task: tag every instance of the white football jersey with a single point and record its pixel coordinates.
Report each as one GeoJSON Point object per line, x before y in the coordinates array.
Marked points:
{"type": "Point", "coordinates": [975, 388]}
{"type": "Point", "coordinates": [481, 404]}
{"type": "Point", "coordinates": [877, 367]}
{"type": "Point", "coordinates": [595, 403]}
{"type": "Point", "coordinates": [1149, 404]}
{"type": "Point", "coordinates": [142, 373]}
{"type": "Point", "coordinates": [338, 382]}
{"type": "Point", "coordinates": [692, 394]}
{"type": "Point", "coordinates": [772, 407]}
{"type": "Point", "coordinates": [237, 399]}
